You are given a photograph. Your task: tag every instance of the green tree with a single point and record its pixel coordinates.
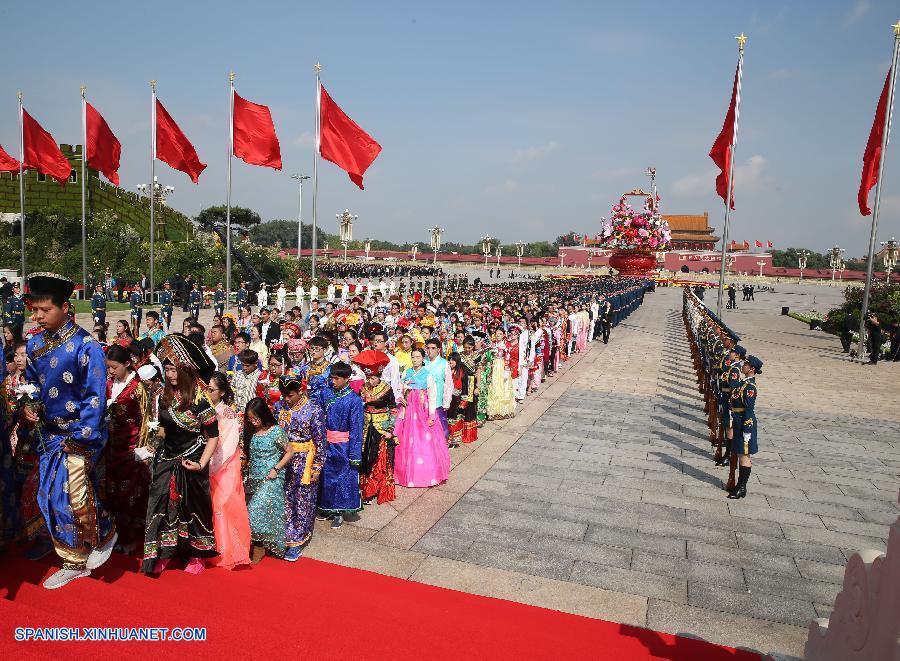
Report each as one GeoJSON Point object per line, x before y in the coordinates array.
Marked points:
{"type": "Point", "coordinates": [789, 257]}
{"type": "Point", "coordinates": [239, 216]}
{"type": "Point", "coordinates": [566, 239]}
{"type": "Point", "coordinates": [283, 233]}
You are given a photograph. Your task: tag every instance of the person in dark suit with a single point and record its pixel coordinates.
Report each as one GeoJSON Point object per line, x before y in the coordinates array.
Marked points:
{"type": "Point", "coordinates": [269, 331]}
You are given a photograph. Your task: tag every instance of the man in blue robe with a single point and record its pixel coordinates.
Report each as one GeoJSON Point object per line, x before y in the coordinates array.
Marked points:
{"type": "Point", "coordinates": [339, 482]}
{"type": "Point", "coordinates": [68, 429]}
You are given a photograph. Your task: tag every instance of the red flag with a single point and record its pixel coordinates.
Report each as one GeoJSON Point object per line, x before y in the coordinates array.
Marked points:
{"type": "Point", "coordinates": [342, 141]}
{"type": "Point", "coordinates": [723, 146]}
{"type": "Point", "coordinates": [759, 244]}
{"type": "Point", "coordinates": [41, 151]}
{"type": "Point", "coordinates": [255, 141]}
{"type": "Point", "coordinates": [173, 147]}
{"type": "Point", "coordinates": [872, 156]}
{"type": "Point", "coordinates": [7, 162]}
{"type": "Point", "coordinates": [770, 244]}
{"type": "Point", "coordinates": [103, 148]}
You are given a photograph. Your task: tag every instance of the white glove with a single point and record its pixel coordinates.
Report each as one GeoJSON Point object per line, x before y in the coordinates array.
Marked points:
{"type": "Point", "coordinates": [746, 437]}
{"type": "Point", "coordinates": [143, 453]}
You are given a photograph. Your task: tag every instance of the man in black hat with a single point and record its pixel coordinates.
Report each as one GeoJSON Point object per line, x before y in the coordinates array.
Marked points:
{"type": "Point", "coordinates": [68, 368]}
{"type": "Point", "coordinates": [743, 422]}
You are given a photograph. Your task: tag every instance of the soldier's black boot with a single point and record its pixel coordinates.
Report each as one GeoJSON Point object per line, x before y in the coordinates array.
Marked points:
{"type": "Point", "coordinates": [740, 491]}
{"type": "Point", "coordinates": [725, 459]}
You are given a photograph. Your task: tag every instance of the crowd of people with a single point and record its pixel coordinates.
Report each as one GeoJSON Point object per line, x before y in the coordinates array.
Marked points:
{"type": "Point", "coordinates": [215, 446]}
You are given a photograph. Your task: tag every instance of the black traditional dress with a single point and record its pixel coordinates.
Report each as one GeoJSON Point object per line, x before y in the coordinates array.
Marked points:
{"type": "Point", "coordinates": [179, 512]}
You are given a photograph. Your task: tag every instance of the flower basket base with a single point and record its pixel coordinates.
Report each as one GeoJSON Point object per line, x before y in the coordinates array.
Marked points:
{"type": "Point", "coordinates": [633, 262]}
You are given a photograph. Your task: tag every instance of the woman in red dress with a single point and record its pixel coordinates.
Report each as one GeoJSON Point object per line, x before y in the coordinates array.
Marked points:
{"type": "Point", "coordinates": [126, 452]}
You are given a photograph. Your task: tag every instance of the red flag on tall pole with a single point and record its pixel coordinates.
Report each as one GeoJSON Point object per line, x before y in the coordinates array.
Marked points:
{"type": "Point", "coordinates": [173, 147]}
{"type": "Point", "coordinates": [42, 152]}
{"type": "Point", "coordinates": [759, 244]}
{"type": "Point", "coordinates": [342, 141]}
{"type": "Point", "coordinates": [7, 162]}
{"type": "Point", "coordinates": [255, 141]}
{"type": "Point", "coordinates": [770, 244]}
{"type": "Point", "coordinates": [103, 148]}
{"type": "Point", "coordinates": [872, 155]}
{"type": "Point", "coordinates": [723, 147]}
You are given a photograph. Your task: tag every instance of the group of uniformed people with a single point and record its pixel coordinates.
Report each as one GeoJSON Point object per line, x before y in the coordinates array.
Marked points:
{"type": "Point", "coordinates": [727, 378]}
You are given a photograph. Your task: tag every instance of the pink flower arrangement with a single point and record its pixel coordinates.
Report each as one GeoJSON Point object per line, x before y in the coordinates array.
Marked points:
{"type": "Point", "coordinates": [628, 230]}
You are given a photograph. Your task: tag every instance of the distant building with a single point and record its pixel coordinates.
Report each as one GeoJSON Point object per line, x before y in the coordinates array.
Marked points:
{"type": "Point", "coordinates": [42, 192]}
{"type": "Point", "coordinates": [691, 232]}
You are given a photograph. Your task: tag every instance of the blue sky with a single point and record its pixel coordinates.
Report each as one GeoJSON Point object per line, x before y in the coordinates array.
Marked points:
{"type": "Point", "coordinates": [521, 119]}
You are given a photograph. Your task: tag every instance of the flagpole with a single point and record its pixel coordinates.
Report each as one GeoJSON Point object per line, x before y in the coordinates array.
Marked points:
{"type": "Point", "coordinates": [84, 281]}
{"type": "Point", "coordinates": [228, 194]}
{"type": "Point", "coordinates": [152, 188]}
{"type": "Point", "coordinates": [22, 186]}
{"type": "Point", "coordinates": [741, 39]}
{"type": "Point", "coordinates": [318, 68]}
{"type": "Point", "coordinates": [875, 208]}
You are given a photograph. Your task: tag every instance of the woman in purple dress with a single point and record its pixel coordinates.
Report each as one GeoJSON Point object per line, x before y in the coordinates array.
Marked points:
{"type": "Point", "coordinates": [304, 422]}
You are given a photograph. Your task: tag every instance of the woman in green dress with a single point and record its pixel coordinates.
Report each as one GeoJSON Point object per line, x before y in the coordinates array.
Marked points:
{"type": "Point", "coordinates": [269, 452]}
{"type": "Point", "coordinates": [483, 380]}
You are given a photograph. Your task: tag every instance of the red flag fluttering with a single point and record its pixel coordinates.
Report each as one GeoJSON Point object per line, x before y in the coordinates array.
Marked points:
{"type": "Point", "coordinates": [42, 152]}
{"type": "Point", "coordinates": [7, 162]}
{"type": "Point", "coordinates": [770, 244]}
{"type": "Point", "coordinates": [872, 156]}
{"type": "Point", "coordinates": [173, 147]}
{"type": "Point", "coordinates": [758, 244]}
{"type": "Point", "coordinates": [723, 147]}
{"type": "Point", "coordinates": [255, 141]}
{"type": "Point", "coordinates": [342, 141]}
{"type": "Point", "coordinates": [103, 148]}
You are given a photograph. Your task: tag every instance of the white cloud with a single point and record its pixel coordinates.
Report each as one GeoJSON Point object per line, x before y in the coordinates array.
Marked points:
{"type": "Point", "coordinates": [305, 139]}
{"type": "Point", "coordinates": [507, 187]}
{"type": "Point", "coordinates": [857, 12]}
{"type": "Point", "coordinates": [533, 153]}
{"type": "Point", "coordinates": [749, 177]}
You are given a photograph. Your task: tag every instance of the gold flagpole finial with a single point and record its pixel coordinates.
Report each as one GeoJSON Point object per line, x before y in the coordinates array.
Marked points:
{"type": "Point", "coordinates": [231, 76]}
{"type": "Point", "coordinates": [318, 68]}
{"type": "Point", "coordinates": [896, 27]}
{"type": "Point", "coordinates": [19, 96]}
{"type": "Point", "coordinates": [83, 90]}
{"type": "Point", "coordinates": [153, 85]}
{"type": "Point", "coordinates": [741, 39]}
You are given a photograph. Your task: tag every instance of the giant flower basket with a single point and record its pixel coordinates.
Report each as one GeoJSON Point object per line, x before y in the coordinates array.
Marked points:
{"type": "Point", "coordinates": [635, 237]}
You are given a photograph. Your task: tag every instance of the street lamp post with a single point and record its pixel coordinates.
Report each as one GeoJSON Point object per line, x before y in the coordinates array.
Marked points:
{"type": "Point", "coordinates": [801, 262]}
{"type": "Point", "coordinates": [486, 247]}
{"type": "Point", "coordinates": [499, 252]}
{"type": "Point", "coordinates": [891, 254]}
{"type": "Point", "coordinates": [841, 270]}
{"type": "Point", "coordinates": [368, 248]}
{"type": "Point", "coordinates": [520, 250]}
{"type": "Point", "coordinates": [157, 194]}
{"type": "Point", "coordinates": [834, 260]}
{"type": "Point", "coordinates": [345, 221]}
{"type": "Point", "coordinates": [436, 240]}
{"type": "Point", "coordinates": [300, 179]}
{"type": "Point", "coordinates": [414, 248]}
{"type": "Point", "coordinates": [760, 265]}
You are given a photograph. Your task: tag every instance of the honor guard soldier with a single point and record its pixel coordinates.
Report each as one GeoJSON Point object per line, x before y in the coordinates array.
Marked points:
{"type": "Point", "coordinates": [728, 381]}
{"type": "Point", "coordinates": [15, 311]}
{"type": "Point", "coordinates": [195, 299]}
{"type": "Point", "coordinates": [137, 309]}
{"type": "Point", "coordinates": [743, 422]}
{"type": "Point", "coordinates": [98, 305]}
{"type": "Point", "coordinates": [219, 300]}
{"type": "Point", "coordinates": [243, 295]}
{"type": "Point", "coordinates": [166, 301]}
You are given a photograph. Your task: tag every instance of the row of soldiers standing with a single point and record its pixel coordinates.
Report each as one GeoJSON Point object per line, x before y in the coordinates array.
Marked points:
{"type": "Point", "coordinates": [726, 378]}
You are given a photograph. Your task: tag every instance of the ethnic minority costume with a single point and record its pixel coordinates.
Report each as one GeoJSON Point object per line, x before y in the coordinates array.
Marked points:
{"type": "Point", "coordinates": [127, 478]}
{"type": "Point", "coordinates": [9, 497]}
{"type": "Point", "coordinates": [317, 376]}
{"type": "Point", "coordinates": [305, 428]}
{"type": "Point", "coordinates": [422, 458]}
{"type": "Point", "coordinates": [339, 482]}
{"type": "Point", "coordinates": [265, 497]}
{"type": "Point", "coordinates": [376, 472]}
{"type": "Point", "coordinates": [231, 525]}
{"type": "Point", "coordinates": [69, 369]}
{"type": "Point", "coordinates": [501, 402]}
{"type": "Point", "coordinates": [484, 380]}
{"type": "Point", "coordinates": [461, 416]}
{"type": "Point", "coordinates": [179, 511]}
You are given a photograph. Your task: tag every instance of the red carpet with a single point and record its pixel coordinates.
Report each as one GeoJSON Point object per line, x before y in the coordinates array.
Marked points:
{"type": "Point", "coordinates": [312, 609]}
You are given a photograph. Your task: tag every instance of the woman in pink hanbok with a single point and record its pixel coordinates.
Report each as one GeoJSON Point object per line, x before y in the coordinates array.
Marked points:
{"type": "Point", "coordinates": [422, 457]}
{"type": "Point", "coordinates": [231, 525]}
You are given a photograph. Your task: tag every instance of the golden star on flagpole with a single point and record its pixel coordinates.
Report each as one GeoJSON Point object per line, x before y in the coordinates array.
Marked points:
{"type": "Point", "coordinates": [231, 76]}
{"type": "Point", "coordinates": [153, 85]}
{"type": "Point", "coordinates": [896, 27]}
{"type": "Point", "coordinates": [318, 68]}
{"type": "Point", "coordinates": [741, 39]}
{"type": "Point", "coordinates": [83, 90]}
